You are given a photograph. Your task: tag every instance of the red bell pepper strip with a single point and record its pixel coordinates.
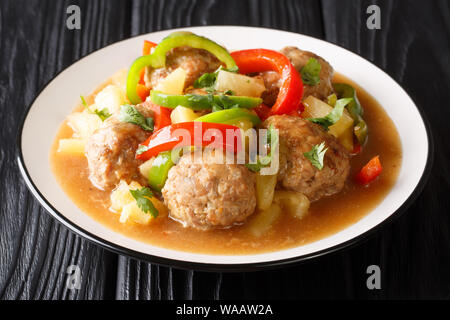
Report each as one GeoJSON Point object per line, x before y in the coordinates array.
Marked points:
{"type": "Point", "coordinates": [148, 45]}
{"type": "Point", "coordinates": [141, 78]}
{"type": "Point", "coordinates": [262, 111]}
{"type": "Point", "coordinates": [297, 112]}
{"type": "Point", "coordinates": [357, 148]}
{"type": "Point", "coordinates": [370, 171]}
{"type": "Point", "coordinates": [142, 91]}
{"type": "Point", "coordinates": [258, 60]}
{"type": "Point", "coordinates": [191, 134]}
{"type": "Point", "coordinates": [146, 50]}
{"type": "Point", "coordinates": [161, 116]}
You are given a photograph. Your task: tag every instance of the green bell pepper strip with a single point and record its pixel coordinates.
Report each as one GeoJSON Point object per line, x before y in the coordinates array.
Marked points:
{"type": "Point", "coordinates": [159, 170]}
{"type": "Point", "coordinates": [344, 90]}
{"type": "Point", "coordinates": [230, 116]}
{"type": "Point", "coordinates": [158, 58]}
{"type": "Point", "coordinates": [201, 102]}
{"type": "Point", "coordinates": [360, 130]}
{"type": "Point", "coordinates": [355, 109]}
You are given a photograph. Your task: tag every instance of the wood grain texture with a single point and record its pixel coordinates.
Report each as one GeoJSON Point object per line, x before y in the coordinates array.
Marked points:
{"type": "Point", "coordinates": [35, 250]}
{"type": "Point", "coordinates": [413, 252]}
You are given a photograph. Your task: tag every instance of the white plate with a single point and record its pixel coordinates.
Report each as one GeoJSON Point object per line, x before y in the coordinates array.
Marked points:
{"type": "Point", "coordinates": [59, 97]}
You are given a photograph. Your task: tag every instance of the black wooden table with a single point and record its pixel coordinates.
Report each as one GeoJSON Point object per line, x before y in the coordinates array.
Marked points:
{"type": "Point", "coordinates": [413, 252]}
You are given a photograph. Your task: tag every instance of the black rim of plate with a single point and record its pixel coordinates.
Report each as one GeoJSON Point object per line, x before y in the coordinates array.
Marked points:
{"type": "Point", "coordinates": [213, 267]}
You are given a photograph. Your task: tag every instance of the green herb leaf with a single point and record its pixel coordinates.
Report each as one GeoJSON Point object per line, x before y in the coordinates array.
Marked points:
{"type": "Point", "coordinates": [310, 72]}
{"type": "Point", "coordinates": [83, 101]}
{"type": "Point", "coordinates": [334, 115]}
{"type": "Point", "coordinates": [141, 149]}
{"type": "Point", "coordinates": [143, 201]}
{"type": "Point", "coordinates": [316, 154]}
{"type": "Point", "coordinates": [203, 101]}
{"type": "Point", "coordinates": [226, 102]}
{"type": "Point", "coordinates": [102, 114]}
{"type": "Point", "coordinates": [208, 80]}
{"type": "Point", "coordinates": [130, 114]}
{"type": "Point", "coordinates": [272, 141]}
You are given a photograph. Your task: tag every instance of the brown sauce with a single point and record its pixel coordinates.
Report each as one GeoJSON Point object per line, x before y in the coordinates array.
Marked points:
{"type": "Point", "coordinates": [326, 216]}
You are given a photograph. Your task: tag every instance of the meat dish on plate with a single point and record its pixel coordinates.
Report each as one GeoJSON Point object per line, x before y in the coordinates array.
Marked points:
{"type": "Point", "coordinates": [204, 150]}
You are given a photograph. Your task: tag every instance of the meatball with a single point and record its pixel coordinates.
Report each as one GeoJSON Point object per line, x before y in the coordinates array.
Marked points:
{"type": "Point", "coordinates": [207, 195]}
{"type": "Point", "coordinates": [298, 136]}
{"type": "Point", "coordinates": [272, 83]}
{"type": "Point", "coordinates": [299, 59]}
{"type": "Point", "coordinates": [194, 61]}
{"type": "Point", "coordinates": [110, 151]}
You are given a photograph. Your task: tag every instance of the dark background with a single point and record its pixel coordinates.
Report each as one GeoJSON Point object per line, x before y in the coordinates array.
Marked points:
{"type": "Point", "coordinates": [413, 252]}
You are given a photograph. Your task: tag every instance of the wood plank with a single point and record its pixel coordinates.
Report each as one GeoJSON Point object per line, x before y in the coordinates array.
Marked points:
{"type": "Point", "coordinates": [35, 250]}
{"type": "Point", "coordinates": [412, 46]}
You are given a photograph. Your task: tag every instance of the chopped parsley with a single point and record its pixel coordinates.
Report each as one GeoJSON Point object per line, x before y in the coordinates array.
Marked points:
{"type": "Point", "coordinates": [83, 101]}
{"type": "Point", "coordinates": [202, 101]}
{"type": "Point", "coordinates": [223, 103]}
{"type": "Point", "coordinates": [334, 115]}
{"type": "Point", "coordinates": [316, 154]}
{"type": "Point", "coordinates": [143, 201]}
{"type": "Point", "coordinates": [272, 141]}
{"type": "Point", "coordinates": [208, 80]}
{"type": "Point", "coordinates": [310, 72]}
{"type": "Point", "coordinates": [130, 114]}
{"type": "Point", "coordinates": [102, 114]}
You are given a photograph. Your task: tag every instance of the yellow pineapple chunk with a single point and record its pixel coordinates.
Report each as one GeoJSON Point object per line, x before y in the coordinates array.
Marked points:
{"type": "Point", "coordinates": [121, 195]}
{"type": "Point", "coordinates": [346, 139]}
{"type": "Point", "coordinates": [131, 212]}
{"type": "Point", "coordinates": [315, 108]}
{"type": "Point", "coordinates": [265, 188]}
{"type": "Point", "coordinates": [263, 220]}
{"type": "Point", "coordinates": [241, 85]}
{"type": "Point", "coordinates": [144, 168]}
{"type": "Point", "coordinates": [295, 203]}
{"type": "Point", "coordinates": [72, 146]}
{"type": "Point", "coordinates": [182, 114]}
{"type": "Point", "coordinates": [173, 83]}
{"type": "Point", "coordinates": [120, 78]}
{"type": "Point", "coordinates": [83, 123]}
{"type": "Point", "coordinates": [123, 202]}
{"type": "Point", "coordinates": [111, 98]}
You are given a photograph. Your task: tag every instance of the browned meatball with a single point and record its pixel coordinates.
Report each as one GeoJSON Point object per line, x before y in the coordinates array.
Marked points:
{"type": "Point", "coordinates": [194, 61]}
{"type": "Point", "coordinates": [299, 59]}
{"type": "Point", "coordinates": [206, 195]}
{"type": "Point", "coordinates": [110, 151]}
{"type": "Point", "coordinates": [272, 84]}
{"type": "Point", "coordinates": [298, 136]}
